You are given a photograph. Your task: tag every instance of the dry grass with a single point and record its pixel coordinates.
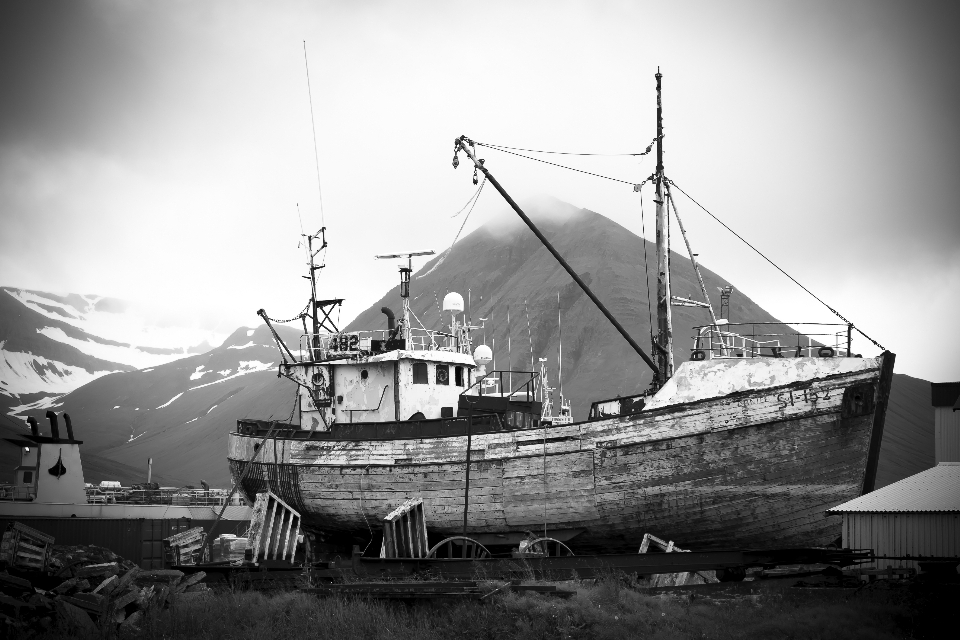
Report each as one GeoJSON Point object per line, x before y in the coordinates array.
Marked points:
{"type": "Point", "coordinates": [609, 610]}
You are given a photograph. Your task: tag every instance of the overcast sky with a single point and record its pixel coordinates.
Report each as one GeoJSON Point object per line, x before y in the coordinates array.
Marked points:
{"type": "Point", "coordinates": [158, 151]}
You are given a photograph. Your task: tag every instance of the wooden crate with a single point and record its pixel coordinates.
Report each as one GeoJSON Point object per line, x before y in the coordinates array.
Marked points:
{"type": "Point", "coordinates": [24, 547]}
{"type": "Point", "coordinates": [185, 547]}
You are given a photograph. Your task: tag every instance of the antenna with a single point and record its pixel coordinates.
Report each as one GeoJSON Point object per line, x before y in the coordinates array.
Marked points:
{"type": "Point", "coordinates": [560, 350]}
{"type": "Point", "coordinates": [405, 272]}
{"type": "Point", "coordinates": [316, 155]}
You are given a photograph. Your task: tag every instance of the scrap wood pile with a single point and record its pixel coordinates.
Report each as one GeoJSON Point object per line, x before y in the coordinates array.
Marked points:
{"type": "Point", "coordinates": [85, 590]}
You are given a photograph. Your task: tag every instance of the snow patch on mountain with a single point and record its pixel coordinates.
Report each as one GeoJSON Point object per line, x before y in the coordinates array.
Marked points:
{"type": "Point", "coordinates": [199, 373]}
{"type": "Point", "coordinates": [22, 373]}
{"type": "Point", "coordinates": [112, 353]}
{"type": "Point", "coordinates": [170, 401]}
{"type": "Point", "coordinates": [244, 346]}
{"type": "Point", "coordinates": [246, 366]}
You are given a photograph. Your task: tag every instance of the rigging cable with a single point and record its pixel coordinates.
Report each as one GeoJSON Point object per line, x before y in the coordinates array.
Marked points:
{"type": "Point", "coordinates": [316, 155]}
{"type": "Point", "coordinates": [570, 153]}
{"type": "Point", "coordinates": [473, 200]}
{"type": "Point", "coordinates": [589, 173]}
{"type": "Point", "coordinates": [646, 268]}
{"type": "Point", "coordinates": [777, 267]}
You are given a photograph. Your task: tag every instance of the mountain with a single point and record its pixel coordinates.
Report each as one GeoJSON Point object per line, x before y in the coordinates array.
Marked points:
{"type": "Point", "coordinates": [51, 344]}
{"type": "Point", "coordinates": [502, 268]}
{"type": "Point", "coordinates": [180, 412]}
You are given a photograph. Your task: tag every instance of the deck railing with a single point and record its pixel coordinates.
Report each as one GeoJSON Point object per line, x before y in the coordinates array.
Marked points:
{"type": "Point", "coordinates": [772, 340]}
{"type": "Point", "coordinates": [324, 346]}
{"type": "Point", "coordinates": [527, 388]}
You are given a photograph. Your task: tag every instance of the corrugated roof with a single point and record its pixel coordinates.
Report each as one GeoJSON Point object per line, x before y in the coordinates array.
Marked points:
{"type": "Point", "coordinates": [933, 490]}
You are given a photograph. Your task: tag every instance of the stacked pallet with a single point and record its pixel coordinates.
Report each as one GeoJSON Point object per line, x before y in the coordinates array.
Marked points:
{"type": "Point", "coordinates": [229, 548]}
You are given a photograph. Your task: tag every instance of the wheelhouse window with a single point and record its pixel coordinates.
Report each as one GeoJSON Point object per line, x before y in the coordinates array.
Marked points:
{"type": "Point", "coordinates": [458, 376]}
{"type": "Point", "coordinates": [443, 374]}
{"type": "Point", "coordinates": [420, 373]}
{"type": "Point", "coordinates": [28, 477]}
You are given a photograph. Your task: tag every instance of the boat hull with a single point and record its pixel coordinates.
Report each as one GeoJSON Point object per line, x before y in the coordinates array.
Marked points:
{"type": "Point", "coordinates": [755, 469]}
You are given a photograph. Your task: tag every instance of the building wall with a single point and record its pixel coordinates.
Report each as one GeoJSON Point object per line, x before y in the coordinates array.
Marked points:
{"type": "Point", "coordinates": [901, 534]}
{"type": "Point", "coordinates": [946, 435]}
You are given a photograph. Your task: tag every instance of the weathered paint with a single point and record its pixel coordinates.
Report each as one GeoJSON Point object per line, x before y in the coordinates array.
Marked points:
{"type": "Point", "coordinates": [754, 468]}
{"type": "Point", "coordinates": [720, 377]}
{"type": "Point", "coordinates": [386, 393]}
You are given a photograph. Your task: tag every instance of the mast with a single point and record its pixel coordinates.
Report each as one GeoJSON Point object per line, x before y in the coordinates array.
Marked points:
{"type": "Point", "coordinates": [405, 272]}
{"type": "Point", "coordinates": [663, 344]}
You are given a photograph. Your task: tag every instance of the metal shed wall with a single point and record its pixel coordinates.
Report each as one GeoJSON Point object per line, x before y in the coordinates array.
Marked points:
{"type": "Point", "coordinates": [139, 540]}
{"type": "Point", "coordinates": [901, 534]}
{"type": "Point", "coordinates": [946, 435]}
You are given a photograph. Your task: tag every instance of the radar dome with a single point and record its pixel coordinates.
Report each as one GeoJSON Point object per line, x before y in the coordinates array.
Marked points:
{"type": "Point", "coordinates": [453, 301]}
{"type": "Point", "coordinates": [482, 355]}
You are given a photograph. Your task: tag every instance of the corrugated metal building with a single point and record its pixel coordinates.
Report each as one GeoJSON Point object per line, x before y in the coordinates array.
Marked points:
{"type": "Point", "coordinates": [918, 516]}
{"type": "Point", "coordinates": [946, 403]}
{"type": "Point", "coordinates": [136, 539]}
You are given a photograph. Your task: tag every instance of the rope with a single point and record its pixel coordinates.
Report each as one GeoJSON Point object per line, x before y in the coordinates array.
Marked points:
{"type": "Point", "coordinates": [570, 153]}
{"type": "Point", "coordinates": [777, 267]}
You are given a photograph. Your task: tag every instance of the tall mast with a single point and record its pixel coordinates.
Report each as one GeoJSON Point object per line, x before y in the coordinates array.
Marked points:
{"type": "Point", "coordinates": [321, 234]}
{"type": "Point", "coordinates": [663, 344]}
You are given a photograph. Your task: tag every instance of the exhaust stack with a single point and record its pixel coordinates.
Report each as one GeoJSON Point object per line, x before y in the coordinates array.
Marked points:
{"type": "Point", "coordinates": [66, 418]}
{"type": "Point", "coordinates": [391, 319]}
{"type": "Point", "coordinates": [54, 425]}
{"type": "Point", "coordinates": [34, 427]}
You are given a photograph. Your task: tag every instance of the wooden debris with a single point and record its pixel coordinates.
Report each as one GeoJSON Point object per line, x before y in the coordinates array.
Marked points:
{"type": "Point", "coordinates": [674, 579]}
{"type": "Point", "coordinates": [99, 595]}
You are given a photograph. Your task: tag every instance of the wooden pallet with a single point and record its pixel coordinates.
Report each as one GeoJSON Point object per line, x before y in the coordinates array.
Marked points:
{"type": "Point", "coordinates": [405, 531]}
{"type": "Point", "coordinates": [274, 528]}
{"type": "Point", "coordinates": [185, 547]}
{"type": "Point", "coordinates": [24, 547]}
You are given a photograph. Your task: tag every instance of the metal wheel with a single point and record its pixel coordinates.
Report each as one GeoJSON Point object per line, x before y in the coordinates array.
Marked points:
{"type": "Point", "coordinates": [458, 547]}
{"type": "Point", "coordinates": [549, 547]}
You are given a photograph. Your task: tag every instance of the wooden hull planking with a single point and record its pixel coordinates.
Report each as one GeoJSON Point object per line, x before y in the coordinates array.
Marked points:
{"type": "Point", "coordinates": [752, 470]}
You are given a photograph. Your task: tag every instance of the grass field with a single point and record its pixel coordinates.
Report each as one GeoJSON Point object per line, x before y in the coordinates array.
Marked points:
{"type": "Point", "coordinates": [608, 610]}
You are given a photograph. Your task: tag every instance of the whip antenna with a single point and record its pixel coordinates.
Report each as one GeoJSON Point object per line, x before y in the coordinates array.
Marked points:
{"type": "Point", "coordinates": [316, 155]}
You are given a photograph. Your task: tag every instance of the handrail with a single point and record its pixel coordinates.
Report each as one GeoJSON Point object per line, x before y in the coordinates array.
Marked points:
{"type": "Point", "coordinates": [534, 376]}
{"type": "Point", "coordinates": [725, 343]}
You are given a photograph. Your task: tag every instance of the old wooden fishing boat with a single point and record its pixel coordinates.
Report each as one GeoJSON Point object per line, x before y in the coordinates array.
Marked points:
{"type": "Point", "coordinates": [745, 445]}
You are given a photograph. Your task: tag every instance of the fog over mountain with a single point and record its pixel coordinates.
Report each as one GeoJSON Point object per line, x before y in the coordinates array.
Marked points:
{"type": "Point", "coordinates": [180, 408]}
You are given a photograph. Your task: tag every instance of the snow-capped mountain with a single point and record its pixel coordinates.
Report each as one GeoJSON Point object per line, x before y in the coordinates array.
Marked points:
{"type": "Point", "coordinates": [179, 413]}
{"type": "Point", "coordinates": [51, 344]}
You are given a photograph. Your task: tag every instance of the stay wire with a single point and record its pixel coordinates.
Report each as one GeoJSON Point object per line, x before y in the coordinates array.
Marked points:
{"type": "Point", "coordinates": [776, 266]}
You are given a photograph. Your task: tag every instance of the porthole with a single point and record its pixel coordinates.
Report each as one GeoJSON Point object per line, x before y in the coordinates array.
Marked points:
{"type": "Point", "coordinates": [364, 375]}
